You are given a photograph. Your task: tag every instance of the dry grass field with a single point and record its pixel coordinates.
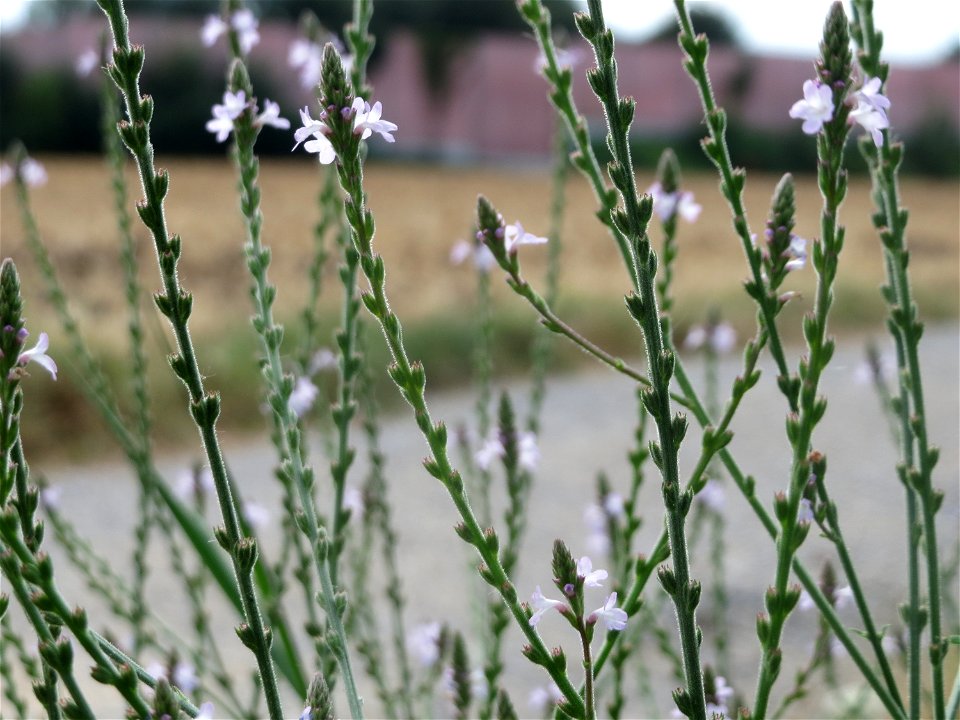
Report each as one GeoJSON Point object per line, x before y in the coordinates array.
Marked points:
{"type": "Point", "coordinates": [420, 212]}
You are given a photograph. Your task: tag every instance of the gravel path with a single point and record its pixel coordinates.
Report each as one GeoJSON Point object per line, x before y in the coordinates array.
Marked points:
{"type": "Point", "coordinates": [587, 427]}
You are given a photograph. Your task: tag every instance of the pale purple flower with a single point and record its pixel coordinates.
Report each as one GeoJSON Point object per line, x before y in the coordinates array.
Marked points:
{"type": "Point", "coordinates": [514, 235]}
{"type": "Point", "coordinates": [483, 258]}
{"type": "Point", "coordinates": [529, 453]}
{"type": "Point", "coordinates": [612, 617]}
{"type": "Point", "coordinates": [307, 713]}
{"type": "Point", "coordinates": [185, 677]}
{"type": "Point", "coordinates": [243, 22]}
{"type": "Point", "coordinates": [423, 643]}
{"type": "Point", "coordinates": [353, 500]}
{"type": "Point", "coordinates": [598, 539]}
{"type": "Point", "coordinates": [50, 496]}
{"type": "Point", "coordinates": [308, 58]}
{"type": "Point", "coordinates": [797, 252]}
{"type": "Point", "coordinates": [478, 683]}
{"type": "Point", "coordinates": [842, 597]}
{"type": "Point", "coordinates": [302, 397]}
{"type": "Point", "coordinates": [38, 354]}
{"type": "Point", "coordinates": [31, 171]}
{"type": "Point", "coordinates": [567, 59]}
{"type": "Point", "coordinates": [367, 120]}
{"type": "Point", "coordinates": [712, 495]}
{"type": "Point", "coordinates": [666, 205]}
{"type": "Point", "coordinates": [224, 115]}
{"type": "Point", "coordinates": [541, 604]}
{"type": "Point", "coordinates": [805, 514]}
{"type": "Point", "coordinates": [87, 62]}
{"type": "Point", "coordinates": [320, 143]}
{"type": "Point", "coordinates": [613, 505]}
{"type": "Point", "coordinates": [591, 577]}
{"type": "Point", "coordinates": [871, 119]}
{"type": "Point", "coordinates": [491, 449]}
{"type": "Point", "coordinates": [543, 697]}
{"type": "Point", "coordinates": [193, 482]}
{"type": "Point", "coordinates": [271, 116]}
{"type": "Point", "coordinates": [869, 94]}
{"type": "Point", "coordinates": [213, 28]}
{"type": "Point", "coordinates": [256, 514]}
{"type": "Point", "coordinates": [721, 337]}
{"type": "Point", "coordinates": [816, 108]}
{"type": "Point", "coordinates": [323, 359]}
{"type": "Point", "coordinates": [207, 711]}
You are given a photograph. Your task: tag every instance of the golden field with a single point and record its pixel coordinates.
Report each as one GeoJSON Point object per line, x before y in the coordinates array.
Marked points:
{"type": "Point", "coordinates": [420, 212]}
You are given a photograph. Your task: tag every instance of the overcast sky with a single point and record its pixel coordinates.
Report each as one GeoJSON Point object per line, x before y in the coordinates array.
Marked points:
{"type": "Point", "coordinates": [915, 31]}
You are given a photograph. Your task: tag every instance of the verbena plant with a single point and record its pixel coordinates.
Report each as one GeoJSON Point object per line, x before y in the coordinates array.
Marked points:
{"type": "Point", "coordinates": [310, 615]}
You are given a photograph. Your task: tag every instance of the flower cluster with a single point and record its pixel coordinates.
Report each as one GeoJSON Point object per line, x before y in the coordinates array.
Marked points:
{"type": "Point", "coordinates": [367, 120]}
{"type": "Point", "coordinates": [668, 204]}
{"type": "Point", "coordinates": [529, 453]}
{"type": "Point", "coordinates": [234, 105]}
{"type": "Point", "coordinates": [29, 170]}
{"type": "Point", "coordinates": [242, 22]}
{"type": "Point", "coordinates": [609, 614]}
{"type": "Point", "coordinates": [817, 108]}
{"type": "Point", "coordinates": [719, 337]}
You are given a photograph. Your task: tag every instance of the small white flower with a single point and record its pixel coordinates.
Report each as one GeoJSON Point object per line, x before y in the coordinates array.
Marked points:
{"type": "Point", "coordinates": [353, 500]}
{"type": "Point", "coordinates": [483, 258]}
{"type": "Point", "coordinates": [245, 24]}
{"type": "Point", "coordinates": [50, 496]}
{"type": "Point", "coordinates": [302, 397]}
{"type": "Point", "coordinates": [213, 28]}
{"type": "Point", "coordinates": [870, 94]}
{"type": "Point", "coordinates": [797, 252]}
{"type": "Point", "coordinates": [723, 338]}
{"type": "Point", "coordinates": [87, 62]}
{"type": "Point", "coordinates": [320, 143]}
{"type": "Point", "coordinates": [185, 677]}
{"type": "Point", "coordinates": [529, 453]}
{"type": "Point", "coordinates": [367, 120]}
{"type": "Point", "coordinates": [842, 597]}
{"type": "Point", "coordinates": [721, 690]}
{"type": "Point", "coordinates": [696, 337]}
{"type": "Point", "coordinates": [190, 482]}
{"type": "Point", "coordinates": [514, 235]}
{"type": "Point", "coordinates": [488, 452]}
{"type": "Point", "coordinates": [423, 643]}
{"type": "Point", "coordinates": [541, 604]}
{"type": "Point", "coordinates": [712, 495]}
{"type": "Point", "coordinates": [591, 577]}
{"type": "Point", "coordinates": [323, 359]}
{"type": "Point", "coordinates": [613, 505]}
{"type": "Point", "coordinates": [871, 119]}
{"type": "Point", "coordinates": [805, 602]}
{"type": "Point", "coordinates": [31, 171]}
{"type": "Point", "coordinates": [816, 108]}
{"type": "Point", "coordinates": [38, 354]}
{"type": "Point", "coordinates": [224, 115]}
{"type": "Point", "coordinates": [613, 617]}
{"type": "Point", "coordinates": [543, 697]}
{"type": "Point", "coordinates": [256, 514]}
{"type": "Point", "coordinates": [271, 116]}
{"type": "Point", "coordinates": [308, 57]}
{"type": "Point", "coordinates": [666, 205]}
{"type": "Point", "coordinates": [207, 711]}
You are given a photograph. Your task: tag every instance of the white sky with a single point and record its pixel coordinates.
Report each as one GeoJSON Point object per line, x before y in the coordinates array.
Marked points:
{"type": "Point", "coordinates": [915, 31]}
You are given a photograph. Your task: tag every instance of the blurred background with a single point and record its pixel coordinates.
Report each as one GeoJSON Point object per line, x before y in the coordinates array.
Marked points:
{"type": "Point", "coordinates": [462, 82]}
